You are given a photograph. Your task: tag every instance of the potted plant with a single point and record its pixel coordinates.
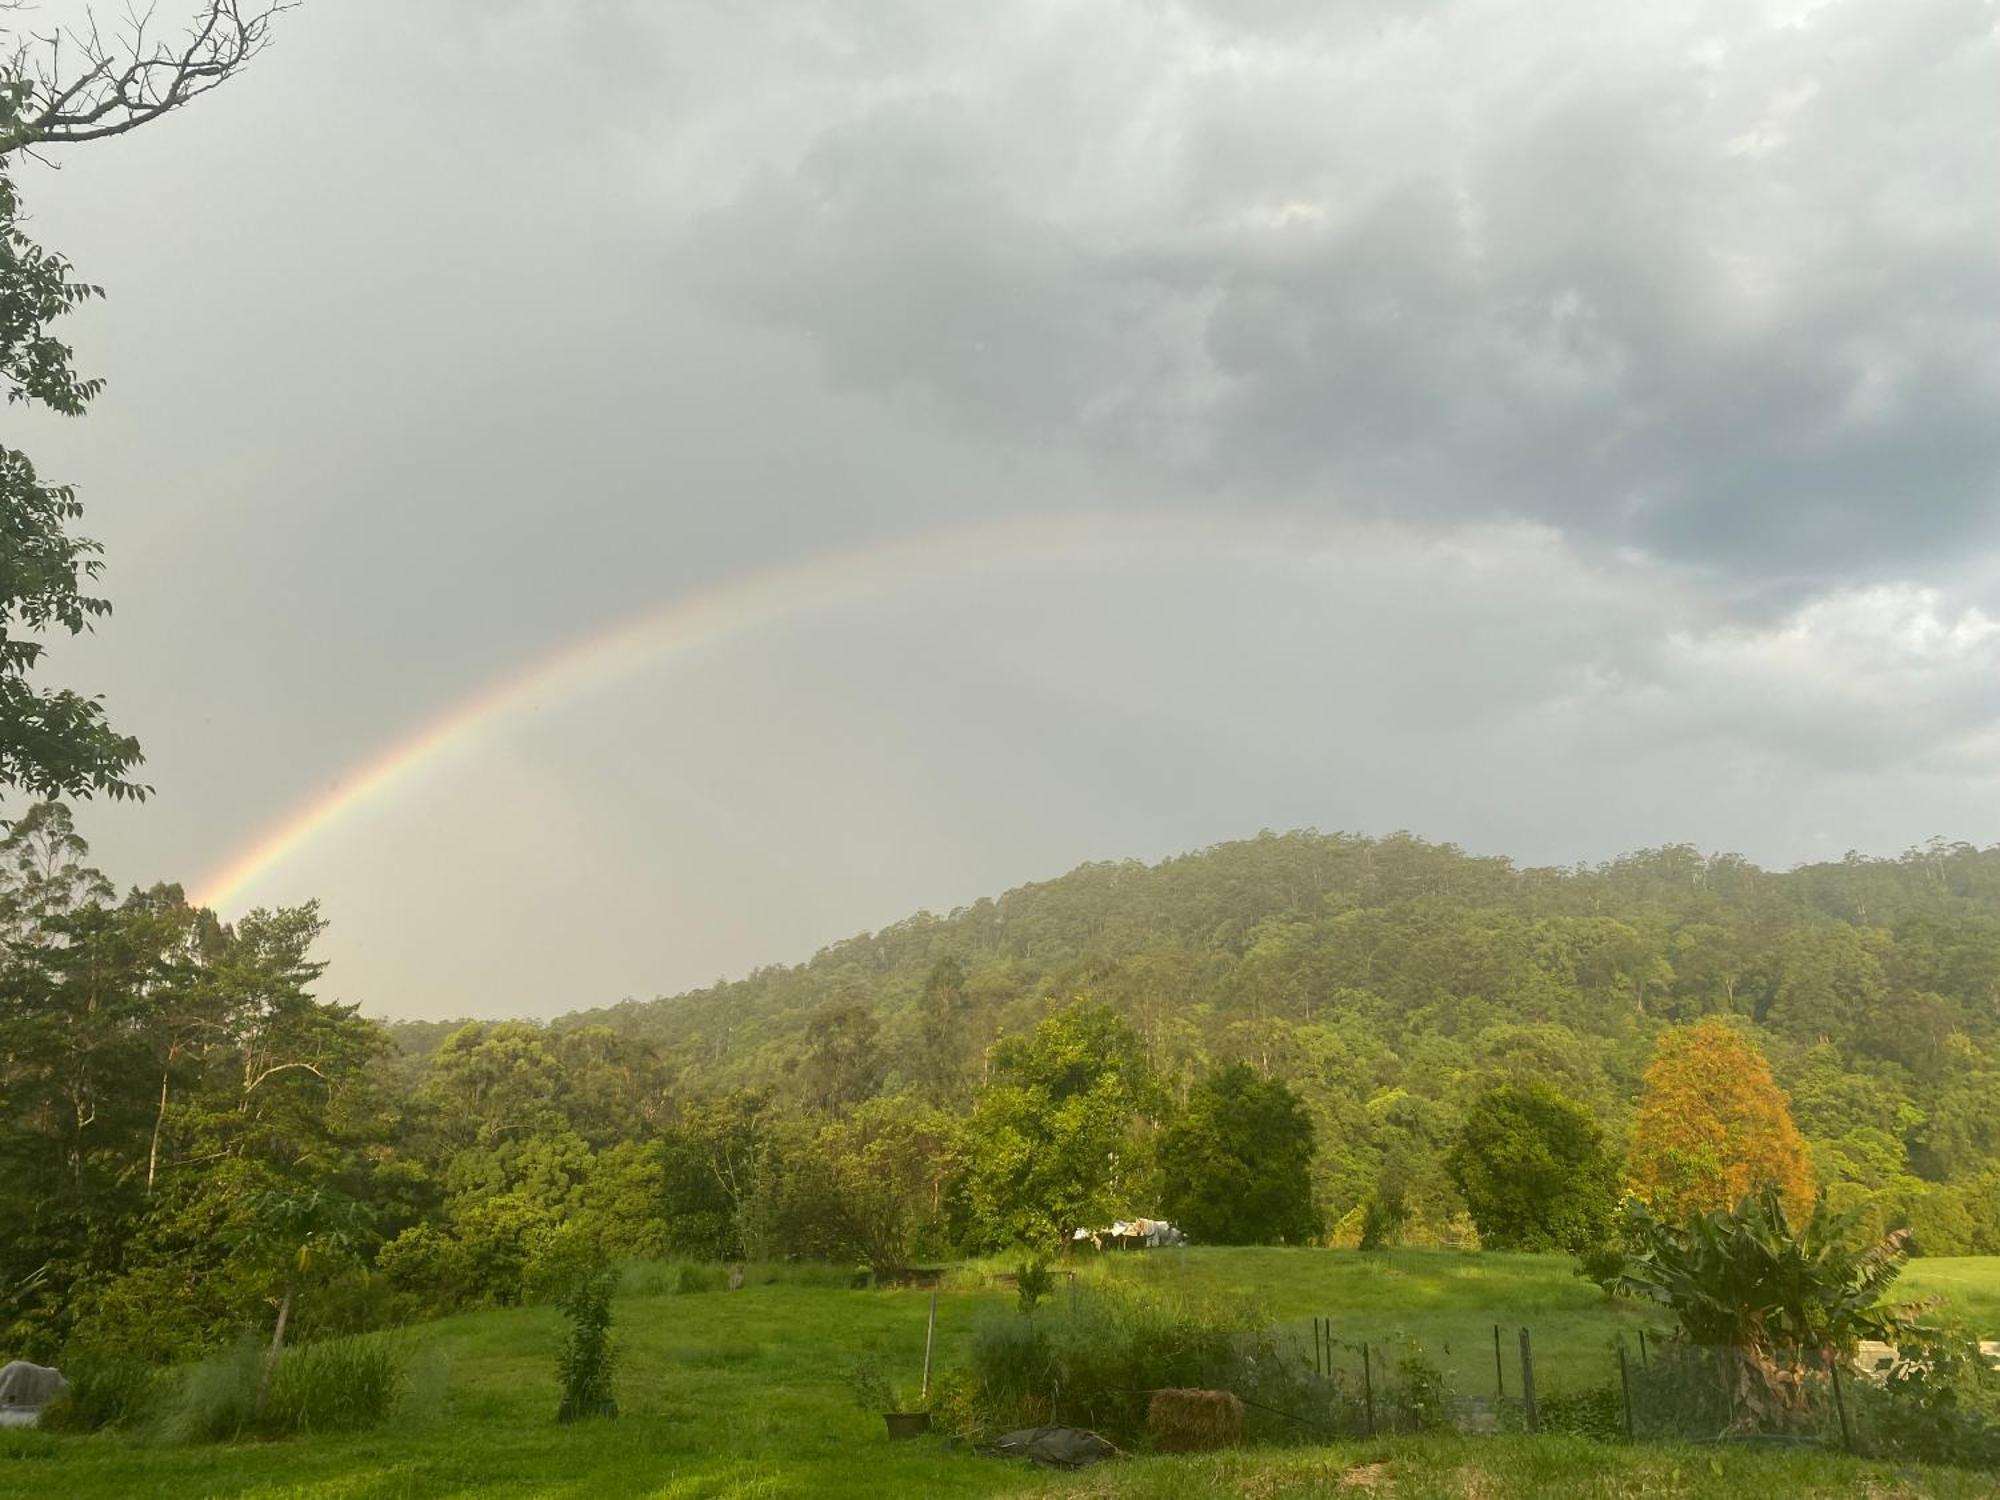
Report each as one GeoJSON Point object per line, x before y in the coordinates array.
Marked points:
{"type": "Point", "coordinates": [875, 1391]}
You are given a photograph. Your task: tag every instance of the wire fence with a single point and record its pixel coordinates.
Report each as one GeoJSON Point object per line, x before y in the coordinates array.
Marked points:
{"type": "Point", "coordinates": [1654, 1389]}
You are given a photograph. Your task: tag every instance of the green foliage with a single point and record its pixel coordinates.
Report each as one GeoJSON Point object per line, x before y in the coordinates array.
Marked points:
{"type": "Point", "coordinates": [1236, 1165]}
{"type": "Point", "coordinates": [885, 1170]}
{"type": "Point", "coordinates": [108, 1388]}
{"type": "Point", "coordinates": [1055, 1141]}
{"type": "Point", "coordinates": [1532, 1167]}
{"type": "Point", "coordinates": [1095, 1362]}
{"type": "Point", "coordinates": [1939, 1401]}
{"type": "Point", "coordinates": [573, 1270]}
{"type": "Point", "coordinates": [1033, 1281]}
{"type": "Point", "coordinates": [873, 1390]}
{"type": "Point", "coordinates": [54, 742]}
{"type": "Point", "coordinates": [333, 1385]}
{"type": "Point", "coordinates": [1592, 1411]}
{"type": "Point", "coordinates": [1745, 1279]}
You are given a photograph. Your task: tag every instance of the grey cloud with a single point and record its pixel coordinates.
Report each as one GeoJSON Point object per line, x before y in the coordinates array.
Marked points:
{"type": "Point", "coordinates": [1729, 292]}
{"type": "Point", "coordinates": [1592, 410]}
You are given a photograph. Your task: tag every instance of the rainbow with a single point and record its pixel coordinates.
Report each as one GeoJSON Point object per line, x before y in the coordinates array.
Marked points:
{"type": "Point", "coordinates": [684, 624]}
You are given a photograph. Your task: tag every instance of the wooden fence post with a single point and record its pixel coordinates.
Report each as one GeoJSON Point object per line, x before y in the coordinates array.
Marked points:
{"type": "Point", "coordinates": [1528, 1383]}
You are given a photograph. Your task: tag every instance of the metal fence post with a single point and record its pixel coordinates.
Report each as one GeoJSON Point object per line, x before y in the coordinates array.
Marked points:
{"type": "Point", "coordinates": [1499, 1369]}
{"type": "Point", "coordinates": [1840, 1405]}
{"type": "Point", "coordinates": [1368, 1389]}
{"type": "Point", "coordinates": [1625, 1390]}
{"type": "Point", "coordinates": [1642, 1348]}
{"type": "Point", "coordinates": [1528, 1383]}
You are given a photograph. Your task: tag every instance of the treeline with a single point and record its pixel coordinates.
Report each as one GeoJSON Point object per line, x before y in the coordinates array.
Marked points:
{"type": "Point", "coordinates": [1298, 1037]}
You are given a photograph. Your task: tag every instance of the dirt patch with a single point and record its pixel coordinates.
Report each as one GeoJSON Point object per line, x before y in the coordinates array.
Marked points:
{"type": "Point", "coordinates": [1368, 1479]}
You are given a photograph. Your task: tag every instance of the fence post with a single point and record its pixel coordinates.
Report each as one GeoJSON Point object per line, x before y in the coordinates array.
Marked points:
{"type": "Point", "coordinates": [1528, 1383]}
{"type": "Point", "coordinates": [1368, 1388]}
{"type": "Point", "coordinates": [1642, 1348]}
{"type": "Point", "coordinates": [1840, 1405]}
{"type": "Point", "coordinates": [1319, 1348]}
{"type": "Point", "coordinates": [1625, 1389]}
{"type": "Point", "coordinates": [930, 1335]}
{"type": "Point", "coordinates": [1499, 1369]}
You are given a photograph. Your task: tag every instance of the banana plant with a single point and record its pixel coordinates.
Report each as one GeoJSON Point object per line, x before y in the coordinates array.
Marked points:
{"type": "Point", "coordinates": [1771, 1301]}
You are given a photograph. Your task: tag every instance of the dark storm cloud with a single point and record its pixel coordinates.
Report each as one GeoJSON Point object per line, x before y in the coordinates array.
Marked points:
{"type": "Point", "coordinates": [1724, 289]}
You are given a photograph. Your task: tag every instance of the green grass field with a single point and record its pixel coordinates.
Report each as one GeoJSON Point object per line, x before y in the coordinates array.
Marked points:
{"type": "Point", "coordinates": [744, 1394]}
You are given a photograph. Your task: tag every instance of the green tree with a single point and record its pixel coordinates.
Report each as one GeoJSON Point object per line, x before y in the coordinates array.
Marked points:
{"type": "Point", "coordinates": [54, 742]}
{"type": "Point", "coordinates": [1057, 1139]}
{"type": "Point", "coordinates": [941, 1022]}
{"type": "Point", "coordinates": [888, 1162]}
{"type": "Point", "coordinates": [1236, 1167]}
{"type": "Point", "coordinates": [1533, 1170]}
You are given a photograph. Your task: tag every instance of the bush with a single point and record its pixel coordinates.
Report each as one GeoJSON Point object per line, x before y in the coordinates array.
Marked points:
{"type": "Point", "coordinates": [1593, 1412]}
{"type": "Point", "coordinates": [107, 1389]}
{"type": "Point", "coordinates": [1940, 1402]}
{"type": "Point", "coordinates": [1097, 1365]}
{"type": "Point", "coordinates": [217, 1399]}
{"type": "Point", "coordinates": [427, 1266]}
{"type": "Point", "coordinates": [572, 1267]}
{"type": "Point", "coordinates": [334, 1385]}
{"type": "Point", "coordinates": [1032, 1282]}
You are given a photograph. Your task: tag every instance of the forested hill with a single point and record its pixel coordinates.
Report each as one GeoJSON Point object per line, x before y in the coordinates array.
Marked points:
{"type": "Point", "coordinates": [1389, 979]}
{"type": "Point", "coordinates": [1229, 949]}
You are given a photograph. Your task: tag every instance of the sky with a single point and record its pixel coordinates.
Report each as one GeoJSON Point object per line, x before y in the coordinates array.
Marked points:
{"type": "Point", "coordinates": [608, 495]}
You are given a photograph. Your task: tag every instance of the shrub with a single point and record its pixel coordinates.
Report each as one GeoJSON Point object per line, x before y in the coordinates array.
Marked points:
{"type": "Point", "coordinates": [873, 1390]}
{"type": "Point", "coordinates": [1098, 1363]}
{"type": "Point", "coordinates": [692, 1276]}
{"type": "Point", "coordinates": [107, 1388]}
{"type": "Point", "coordinates": [334, 1385]}
{"type": "Point", "coordinates": [1940, 1402]}
{"type": "Point", "coordinates": [1418, 1392]}
{"type": "Point", "coordinates": [1186, 1421]}
{"type": "Point", "coordinates": [573, 1267]}
{"type": "Point", "coordinates": [428, 1266]}
{"type": "Point", "coordinates": [216, 1400]}
{"type": "Point", "coordinates": [1594, 1412]}
{"type": "Point", "coordinates": [1032, 1282]}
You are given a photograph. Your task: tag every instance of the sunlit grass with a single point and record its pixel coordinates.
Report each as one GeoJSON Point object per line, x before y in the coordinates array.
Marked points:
{"type": "Point", "coordinates": [746, 1394]}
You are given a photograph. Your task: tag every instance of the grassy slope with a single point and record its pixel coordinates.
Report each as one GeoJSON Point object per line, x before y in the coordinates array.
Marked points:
{"type": "Point", "coordinates": [743, 1394]}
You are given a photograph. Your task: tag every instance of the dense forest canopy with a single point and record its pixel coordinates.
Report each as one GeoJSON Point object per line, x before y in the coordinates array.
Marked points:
{"type": "Point", "coordinates": [185, 1124]}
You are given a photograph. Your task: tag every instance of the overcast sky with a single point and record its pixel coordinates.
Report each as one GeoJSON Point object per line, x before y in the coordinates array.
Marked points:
{"type": "Point", "coordinates": [1558, 430]}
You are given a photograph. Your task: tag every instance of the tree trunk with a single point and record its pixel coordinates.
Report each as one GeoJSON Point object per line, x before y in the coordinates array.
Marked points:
{"type": "Point", "coordinates": [153, 1151]}
{"type": "Point", "coordinates": [277, 1349]}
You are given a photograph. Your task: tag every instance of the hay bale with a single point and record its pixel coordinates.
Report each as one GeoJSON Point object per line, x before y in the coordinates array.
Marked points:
{"type": "Point", "coordinates": [1194, 1421]}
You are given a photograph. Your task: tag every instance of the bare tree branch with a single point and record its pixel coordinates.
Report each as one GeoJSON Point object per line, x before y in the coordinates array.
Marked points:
{"type": "Point", "coordinates": [80, 83]}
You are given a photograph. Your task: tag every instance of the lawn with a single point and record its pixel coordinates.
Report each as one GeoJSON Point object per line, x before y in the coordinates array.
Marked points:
{"type": "Point", "coordinates": [744, 1394]}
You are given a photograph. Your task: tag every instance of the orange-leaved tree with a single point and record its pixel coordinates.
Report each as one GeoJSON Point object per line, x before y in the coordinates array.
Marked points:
{"type": "Point", "coordinates": [1714, 1127]}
